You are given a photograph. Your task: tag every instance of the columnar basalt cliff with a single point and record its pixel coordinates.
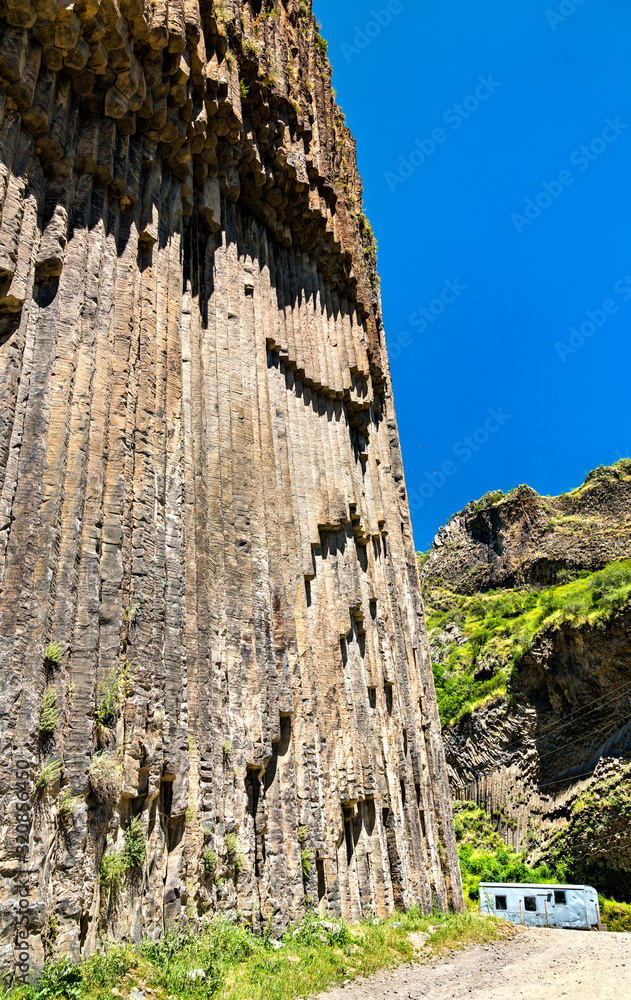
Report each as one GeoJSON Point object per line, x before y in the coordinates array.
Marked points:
{"type": "Point", "coordinates": [216, 691]}
{"type": "Point", "coordinates": [529, 607]}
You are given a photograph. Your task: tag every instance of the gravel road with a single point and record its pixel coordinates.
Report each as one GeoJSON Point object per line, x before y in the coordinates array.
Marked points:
{"type": "Point", "coordinates": [536, 964]}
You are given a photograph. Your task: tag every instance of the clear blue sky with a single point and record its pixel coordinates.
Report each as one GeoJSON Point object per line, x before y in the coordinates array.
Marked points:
{"type": "Point", "coordinates": [499, 340]}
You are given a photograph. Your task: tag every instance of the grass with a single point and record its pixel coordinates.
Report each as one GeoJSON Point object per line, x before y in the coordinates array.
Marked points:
{"type": "Point", "coordinates": [617, 916]}
{"type": "Point", "coordinates": [49, 774]}
{"type": "Point", "coordinates": [53, 653]}
{"type": "Point", "coordinates": [104, 773]}
{"type": "Point", "coordinates": [499, 627]}
{"type": "Point", "coordinates": [227, 962]}
{"type": "Point", "coordinates": [49, 713]}
{"type": "Point", "coordinates": [68, 805]}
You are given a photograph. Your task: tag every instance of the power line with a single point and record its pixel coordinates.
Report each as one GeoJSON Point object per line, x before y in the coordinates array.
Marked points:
{"type": "Point", "coordinates": [579, 740]}
{"type": "Point", "coordinates": [562, 725]}
{"type": "Point", "coordinates": [561, 781]}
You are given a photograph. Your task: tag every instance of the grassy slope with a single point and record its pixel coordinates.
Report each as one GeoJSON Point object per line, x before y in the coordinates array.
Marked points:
{"type": "Point", "coordinates": [236, 965]}
{"type": "Point", "coordinates": [499, 626]}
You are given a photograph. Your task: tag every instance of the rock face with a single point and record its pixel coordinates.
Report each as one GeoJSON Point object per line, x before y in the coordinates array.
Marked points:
{"type": "Point", "coordinates": [523, 539]}
{"type": "Point", "coordinates": [550, 761]}
{"type": "Point", "coordinates": [216, 691]}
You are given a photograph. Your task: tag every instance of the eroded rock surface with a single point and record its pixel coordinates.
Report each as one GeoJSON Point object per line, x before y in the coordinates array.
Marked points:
{"type": "Point", "coordinates": [523, 539]}
{"type": "Point", "coordinates": [201, 491]}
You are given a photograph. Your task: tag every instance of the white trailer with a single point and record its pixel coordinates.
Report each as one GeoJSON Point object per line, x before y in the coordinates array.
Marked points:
{"type": "Point", "coordinates": [571, 906]}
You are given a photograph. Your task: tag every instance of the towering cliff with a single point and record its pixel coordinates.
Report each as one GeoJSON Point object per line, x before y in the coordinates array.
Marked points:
{"type": "Point", "coordinates": [216, 691]}
{"type": "Point", "coordinates": [529, 608]}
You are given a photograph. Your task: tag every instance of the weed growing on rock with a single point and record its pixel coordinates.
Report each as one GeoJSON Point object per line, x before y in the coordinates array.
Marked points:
{"type": "Point", "coordinates": [49, 774]}
{"type": "Point", "coordinates": [135, 846]}
{"type": "Point", "coordinates": [306, 859]}
{"type": "Point", "coordinates": [321, 43]}
{"type": "Point", "coordinates": [68, 805]}
{"type": "Point", "coordinates": [210, 862]}
{"type": "Point", "coordinates": [116, 865]}
{"type": "Point", "coordinates": [115, 685]}
{"type": "Point", "coordinates": [112, 872]}
{"type": "Point", "coordinates": [53, 653]}
{"type": "Point", "coordinates": [50, 713]}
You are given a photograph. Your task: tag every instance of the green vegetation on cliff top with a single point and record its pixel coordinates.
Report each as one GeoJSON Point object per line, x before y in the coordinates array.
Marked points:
{"type": "Point", "coordinates": [496, 628]}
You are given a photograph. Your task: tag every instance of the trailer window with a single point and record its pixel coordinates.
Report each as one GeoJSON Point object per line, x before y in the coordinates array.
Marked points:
{"type": "Point", "coordinates": [500, 903]}
{"type": "Point", "coordinates": [559, 898]}
{"type": "Point", "coordinates": [530, 904]}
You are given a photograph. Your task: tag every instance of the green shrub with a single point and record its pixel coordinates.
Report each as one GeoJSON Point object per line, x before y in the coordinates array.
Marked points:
{"type": "Point", "coordinates": [231, 843]}
{"type": "Point", "coordinates": [53, 652]}
{"type": "Point", "coordinates": [616, 915]}
{"type": "Point", "coordinates": [60, 980]}
{"type": "Point", "coordinates": [115, 685]}
{"type": "Point", "coordinates": [210, 862]}
{"type": "Point", "coordinates": [50, 712]}
{"type": "Point", "coordinates": [227, 749]}
{"type": "Point", "coordinates": [112, 872]}
{"type": "Point", "coordinates": [135, 847]}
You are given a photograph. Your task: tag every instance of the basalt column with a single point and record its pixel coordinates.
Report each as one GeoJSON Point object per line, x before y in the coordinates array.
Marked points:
{"type": "Point", "coordinates": [215, 689]}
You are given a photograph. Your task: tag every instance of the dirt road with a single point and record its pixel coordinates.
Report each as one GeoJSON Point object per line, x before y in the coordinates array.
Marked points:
{"type": "Point", "coordinates": [537, 964]}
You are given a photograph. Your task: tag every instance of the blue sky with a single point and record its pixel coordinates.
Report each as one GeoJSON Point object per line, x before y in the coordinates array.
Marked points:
{"type": "Point", "coordinates": [494, 142]}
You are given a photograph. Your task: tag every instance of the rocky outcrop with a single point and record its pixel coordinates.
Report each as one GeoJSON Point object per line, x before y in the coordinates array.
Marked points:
{"type": "Point", "coordinates": [525, 540]}
{"type": "Point", "coordinates": [216, 691]}
{"type": "Point", "coordinates": [548, 761]}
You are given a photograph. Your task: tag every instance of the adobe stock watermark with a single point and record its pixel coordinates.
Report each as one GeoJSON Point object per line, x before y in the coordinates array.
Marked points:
{"type": "Point", "coordinates": [425, 315]}
{"type": "Point", "coordinates": [363, 36]}
{"type": "Point", "coordinates": [565, 9]}
{"type": "Point", "coordinates": [22, 956]}
{"type": "Point", "coordinates": [463, 450]}
{"type": "Point", "coordinates": [455, 116]}
{"type": "Point", "coordinates": [582, 158]}
{"type": "Point", "coordinates": [595, 320]}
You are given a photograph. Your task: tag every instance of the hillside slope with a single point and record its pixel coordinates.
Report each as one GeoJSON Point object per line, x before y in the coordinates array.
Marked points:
{"type": "Point", "coordinates": [529, 624]}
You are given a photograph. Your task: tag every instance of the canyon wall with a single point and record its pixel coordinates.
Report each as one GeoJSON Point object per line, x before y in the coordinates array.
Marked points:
{"type": "Point", "coordinates": [216, 692]}
{"type": "Point", "coordinates": [543, 743]}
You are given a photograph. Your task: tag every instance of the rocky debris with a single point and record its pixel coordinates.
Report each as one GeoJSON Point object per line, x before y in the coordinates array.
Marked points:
{"type": "Point", "coordinates": [523, 539]}
{"type": "Point", "coordinates": [201, 491]}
